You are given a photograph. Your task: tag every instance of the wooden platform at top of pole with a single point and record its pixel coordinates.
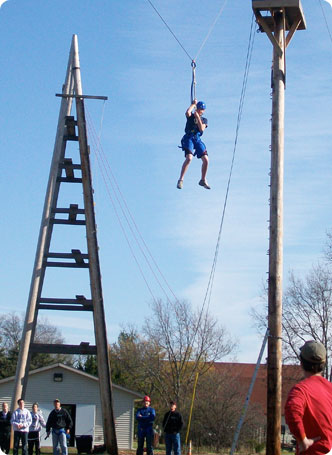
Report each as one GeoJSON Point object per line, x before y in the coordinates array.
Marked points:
{"type": "Point", "coordinates": [279, 16]}
{"type": "Point", "coordinates": [293, 12]}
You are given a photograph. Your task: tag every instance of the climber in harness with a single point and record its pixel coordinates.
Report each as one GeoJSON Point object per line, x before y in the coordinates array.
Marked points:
{"type": "Point", "coordinates": [191, 142]}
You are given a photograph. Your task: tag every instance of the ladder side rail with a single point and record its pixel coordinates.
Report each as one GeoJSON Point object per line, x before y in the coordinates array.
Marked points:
{"type": "Point", "coordinates": [44, 238]}
{"type": "Point", "coordinates": [103, 360]}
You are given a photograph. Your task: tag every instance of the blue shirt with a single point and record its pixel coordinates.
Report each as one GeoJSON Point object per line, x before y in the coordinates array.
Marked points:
{"type": "Point", "coordinates": [145, 417]}
{"type": "Point", "coordinates": [191, 125]}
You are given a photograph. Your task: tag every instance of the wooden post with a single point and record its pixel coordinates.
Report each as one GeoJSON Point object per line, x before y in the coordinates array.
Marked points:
{"type": "Point", "coordinates": [103, 360]}
{"type": "Point", "coordinates": [285, 14]}
{"type": "Point", "coordinates": [274, 364]}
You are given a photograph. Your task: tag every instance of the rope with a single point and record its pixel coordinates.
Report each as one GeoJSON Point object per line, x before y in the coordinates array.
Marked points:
{"type": "Point", "coordinates": [193, 63]}
{"type": "Point", "coordinates": [326, 23]}
{"type": "Point", "coordinates": [205, 39]}
{"type": "Point", "coordinates": [101, 122]}
{"type": "Point", "coordinates": [193, 83]}
{"type": "Point", "coordinates": [211, 28]}
{"type": "Point", "coordinates": [122, 227]}
{"type": "Point", "coordinates": [208, 293]}
{"type": "Point", "coordinates": [171, 31]}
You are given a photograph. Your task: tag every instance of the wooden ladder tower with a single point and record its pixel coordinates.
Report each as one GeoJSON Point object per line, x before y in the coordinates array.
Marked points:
{"type": "Point", "coordinates": [63, 171]}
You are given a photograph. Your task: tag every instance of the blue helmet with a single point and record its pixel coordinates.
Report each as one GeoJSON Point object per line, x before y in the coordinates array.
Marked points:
{"type": "Point", "coordinates": [201, 105]}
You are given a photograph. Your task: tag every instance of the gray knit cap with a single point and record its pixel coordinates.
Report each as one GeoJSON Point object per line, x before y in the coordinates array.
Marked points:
{"type": "Point", "coordinates": [313, 351]}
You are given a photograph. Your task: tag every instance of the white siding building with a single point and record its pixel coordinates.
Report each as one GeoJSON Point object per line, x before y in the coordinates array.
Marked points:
{"type": "Point", "coordinates": [79, 393]}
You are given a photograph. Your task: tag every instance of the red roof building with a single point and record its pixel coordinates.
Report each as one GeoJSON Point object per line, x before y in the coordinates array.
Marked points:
{"type": "Point", "coordinates": [291, 374]}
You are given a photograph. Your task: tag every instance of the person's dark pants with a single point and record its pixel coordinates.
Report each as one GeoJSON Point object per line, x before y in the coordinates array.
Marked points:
{"type": "Point", "coordinates": [33, 441]}
{"type": "Point", "coordinates": [142, 435]}
{"type": "Point", "coordinates": [5, 441]}
{"type": "Point", "coordinates": [172, 441]}
{"type": "Point", "coordinates": [23, 437]}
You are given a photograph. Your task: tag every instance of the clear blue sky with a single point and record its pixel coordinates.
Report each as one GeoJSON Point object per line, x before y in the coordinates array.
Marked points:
{"type": "Point", "coordinates": [127, 54]}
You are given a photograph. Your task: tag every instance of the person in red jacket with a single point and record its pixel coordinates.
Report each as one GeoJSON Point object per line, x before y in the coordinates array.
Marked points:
{"type": "Point", "coordinates": [308, 409]}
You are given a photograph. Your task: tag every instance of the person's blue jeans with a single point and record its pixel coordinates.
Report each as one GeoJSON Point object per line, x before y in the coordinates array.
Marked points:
{"type": "Point", "coordinates": [142, 435]}
{"type": "Point", "coordinates": [20, 436]}
{"type": "Point", "coordinates": [172, 441]}
{"type": "Point", "coordinates": [59, 439]}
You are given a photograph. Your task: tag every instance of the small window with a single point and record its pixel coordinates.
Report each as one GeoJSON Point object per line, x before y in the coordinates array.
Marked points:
{"type": "Point", "coordinates": [57, 377]}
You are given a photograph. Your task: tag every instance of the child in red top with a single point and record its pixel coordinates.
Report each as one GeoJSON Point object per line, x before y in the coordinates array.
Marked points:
{"type": "Point", "coordinates": [308, 409]}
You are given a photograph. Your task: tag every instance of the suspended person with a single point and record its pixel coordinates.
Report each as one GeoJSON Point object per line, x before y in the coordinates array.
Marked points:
{"type": "Point", "coordinates": [191, 142]}
{"type": "Point", "coordinates": [172, 424]}
{"type": "Point", "coordinates": [145, 417]}
{"type": "Point", "coordinates": [308, 409]}
{"type": "Point", "coordinates": [34, 431]}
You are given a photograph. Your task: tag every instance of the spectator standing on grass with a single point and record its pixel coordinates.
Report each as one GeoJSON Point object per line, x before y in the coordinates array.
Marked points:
{"type": "Point", "coordinates": [145, 417]}
{"type": "Point", "coordinates": [60, 422]}
{"type": "Point", "coordinates": [5, 427]}
{"type": "Point", "coordinates": [21, 421]}
{"type": "Point", "coordinates": [34, 431]}
{"type": "Point", "coordinates": [172, 424]}
{"type": "Point", "coordinates": [308, 409]}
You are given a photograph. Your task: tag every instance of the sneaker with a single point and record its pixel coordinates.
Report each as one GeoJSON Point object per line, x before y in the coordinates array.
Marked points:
{"type": "Point", "coordinates": [205, 184]}
{"type": "Point", "coordinates": [179, 184]}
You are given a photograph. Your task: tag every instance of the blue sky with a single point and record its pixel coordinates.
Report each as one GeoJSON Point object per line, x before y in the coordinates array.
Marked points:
{"type": "Point", "coordinates": [127, 54]}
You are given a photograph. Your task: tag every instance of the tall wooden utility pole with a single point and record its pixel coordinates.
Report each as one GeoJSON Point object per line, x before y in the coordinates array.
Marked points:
{"type": "Point", "coordinates": [280, 16]}
{"type": "Point", "coordinates": [64, 171]}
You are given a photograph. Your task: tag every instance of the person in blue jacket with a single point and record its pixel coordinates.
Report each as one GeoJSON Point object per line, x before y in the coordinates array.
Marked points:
{"type": "Point", "coordinates": [191, 142]}
{"type": "Point", "coordinates": [145, 417]}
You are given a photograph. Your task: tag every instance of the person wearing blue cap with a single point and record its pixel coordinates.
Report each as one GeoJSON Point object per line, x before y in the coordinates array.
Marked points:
{"type": "Point", "coordinates": [191, 142]}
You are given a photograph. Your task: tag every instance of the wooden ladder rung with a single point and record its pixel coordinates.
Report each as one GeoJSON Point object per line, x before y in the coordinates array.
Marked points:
{"type": "Point", "coordinates": [69, 180]}
{"type": "Point", "coordinates": [72, 212]}
{"type": "Point", "coordinates": [78, 304]}
{"type": "Point", "coordinates": [83, 348]}
{"type": "Point", "coordinates": [75, 254]}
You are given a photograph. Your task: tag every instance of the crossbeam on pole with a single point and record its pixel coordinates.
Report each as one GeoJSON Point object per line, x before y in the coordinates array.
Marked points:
{"type": "Point", "coordinates": [88, 97]}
